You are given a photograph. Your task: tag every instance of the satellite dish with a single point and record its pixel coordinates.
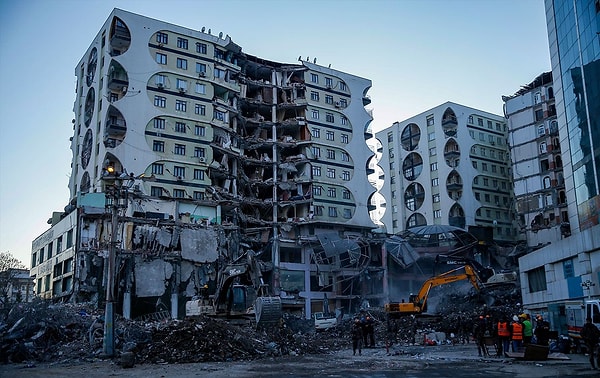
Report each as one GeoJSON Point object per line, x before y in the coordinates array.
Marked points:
{"type": "Point", "coordinates": [203, 28]}
{"type": "Point", "coordinates": [221, 35]}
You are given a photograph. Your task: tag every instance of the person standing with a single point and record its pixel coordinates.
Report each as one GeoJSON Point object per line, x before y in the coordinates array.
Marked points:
{"type": "Point", "coordinates": [516, 331]}
{"type": "Point", "coordinates": [591, 335]}
{"type": "Point", "coordinates": [527, 329]}
{"type": "Point", "coordinates": [503, 335]}
{"type": "Point", "coordinates": [369, 336]}
{"type": "Point", "coordinates": [479, 335]}
{"type": "Point", "coordinates": [357, 337]}
{"type": "Point", "coordinates": [542, 331]}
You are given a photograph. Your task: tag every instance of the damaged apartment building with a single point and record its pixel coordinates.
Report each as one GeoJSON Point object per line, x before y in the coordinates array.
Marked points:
{"type": "Point", "coordinates": [190, 155]}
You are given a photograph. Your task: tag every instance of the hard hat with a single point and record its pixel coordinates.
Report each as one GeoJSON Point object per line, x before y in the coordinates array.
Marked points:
{"type": "Point", "coordinates": [515, 318]}
{"type": "Point", "coordinates": [522, 316]}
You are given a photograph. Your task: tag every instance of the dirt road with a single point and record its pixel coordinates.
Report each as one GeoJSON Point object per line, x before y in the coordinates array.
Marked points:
{"type": "Point", "coordinates": [416, 361]}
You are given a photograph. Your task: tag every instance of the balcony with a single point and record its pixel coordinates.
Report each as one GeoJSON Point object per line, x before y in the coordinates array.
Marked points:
{"type": "Point", "coordinates": [116, 126]}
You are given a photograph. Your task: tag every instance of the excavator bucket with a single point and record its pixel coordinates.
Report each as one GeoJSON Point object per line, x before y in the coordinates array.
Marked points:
{"type": "Point", "coordinates": [267, 311]}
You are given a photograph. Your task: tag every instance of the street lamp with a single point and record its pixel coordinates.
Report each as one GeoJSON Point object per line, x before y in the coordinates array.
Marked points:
{"type": "Point", "coordinates": [587, 285]}
{"type": "Point", "coordinates": [115, 199]}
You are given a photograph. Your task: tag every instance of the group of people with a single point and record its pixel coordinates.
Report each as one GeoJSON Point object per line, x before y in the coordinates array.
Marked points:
{"type": "Point", "coordinates": [509, 336]}
{"type": "Point", "coordinates": [363, 332]}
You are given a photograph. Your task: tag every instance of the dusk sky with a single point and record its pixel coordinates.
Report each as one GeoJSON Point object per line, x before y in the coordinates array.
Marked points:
{"type": "Point", "coordinates": [418, 54]}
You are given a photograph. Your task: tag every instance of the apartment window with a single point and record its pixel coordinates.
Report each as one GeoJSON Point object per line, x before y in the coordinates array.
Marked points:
{"type": "Point", "coordinates": [541, 130]}
{"type": "Point", "coordinates": [346, 175]}
{"type": "Point", "coordinates": [200, 88]}
{"type": "Point", "coordinates": [330, 154]}
{"type": "Point", "coordinates": [332, 211]}
{"type": "Point", "coordinates": [479, 122]}
{"type": "Point", "coordinates": [433, 167]}
{"type": "Point", "coordinates": [488, 213]}
{"type": "Point", "coordinates": [317, 190]}
{"type": "Point", "coordinates": [331, 192]}
{"type": "Point", "coordinates": [346, 194]}
{"type": "Point", "coordinates": [390, 137]}
{"type": "Point", "coordinates": [157, 169]}
{"type": "Point", "coordinates": [490, 125]}
{"type": "Point", "coordinates": [318, 210]}
{"type": "Point", "coordinates": [182, 43]}
{"type": "Point", "coordinates": [329, 117]}
{"type": "Point", "coordinates": [431, 136]}
{"type": "Point", "coordinates": [328, 99]}
{"type": "Point", "coordinates": [199, 152]}
{"type": "Point", "coordinates": [481, 151]}
{"type": "Point", "coordinates": [494, 168]}
{"type": "Point", "coordinates": [343, 103]}
{"type": "Point", "coordinates": [436, 198]}
{"type": "Point", "coordinates": [159, 123]}
{"type": "Point", "coordinates": [161, 58]}
{"type": "Point", "coordinates": [342, 86]}
{"type": "Point", "coordinates": [344, 121]}
{"type": "Point", "coordinates": [477, 196]}
{"type": "Point", "coordinates": [179, 149]}
{"type": "Point", "coordinates": [316, 171]}
{"type": "Point", "coordinates": [486, 197]}
{"type": "Point", "coordinates": [201, 48]}
{"type": "Point", "coordinates": [393, 194]}
{"type": "Point", "coordinates": [178, 193]}
{"type": "Point", "coordinates": [314, 78]}
{"type": "Point", "coordinates": [316, 132]}
{"type": "Point", "coordinates": [537, 279]}
{"type": "Point", "coordinates": [437, 213]}
{"type": "Point", "coordinates": [156, 191]}
{"type": "Point", "coordinates": [502, 171]}
{"type": "Point", "coordinates": [160, 80]}
{"type": "Point", "coordinates": [484, 167]}
{"type": "Point", "coordinates": [345, 157]}
{"type": "Point", "coordinates": [329, 82]}
{"type": "Point", "coordinates": [347, 213]}
{"type": "Point", "coordinates": [199, 196]}
{"type": "Point", "coordinates": [315, 114]}
{"type": "Point", "coordinates": [160, 101]}
{"type": "Point", "coordinates": [430, 121]}
{"type": "Point", "coordinates": [499, 141]}
{"type": "Point", "coordinates": [49, 250]}
{"type": "Point", "coordinates": [329, 135]}
{"type": "Point", "coordinates": [219, 54]}
{"type": "Point", "coordinates": [198, 174]}
{"type": "Point", "coordinates": [59, 245]}
{"type": "Point", "coordinates": [179, 172]}
{"type": "Point", "coordinates": [180, 127]}
{"type": "Point", "coordinates": [472, 134]}
{"type": "Point", "coordinates": [476, 181]}
{"type": "Point", "coordinates": [162, 38]}
{"type": "Point", "coordinates": [200, 68]}
{"type": "Point", "coordinates": [331, 172]}
{"type": "Point", "coordinates": [314, 95]}
{"type": "Point", "coordinates": [181, 105]}
{"type": "Point", "coordinates": [495, 184]}
{"type": "Point", "coordinates": [498, 126]}
{"type": "Point", "coordinates": [432, 151]}
{"type": "Point", "coordinates": [481, 137]}
{"type": "Point", "coordinates": [182, 63]}
{"type": "Point", "coordinates": [316, 151]}
{"type": "Point", "coordinates": [474, 164]}
{"type": "Point", "coordinates": [219, 74]}
{"type": "Point", "coordinates": [158, 146]}
{"type": "Point", "coordinates": [435, 182]}
{"type": "Point", "coordinates": [568, 270]}
{"type": "Point", "coordinates": [200, 130]}
{"type": "Point", "coordinates": [200, 109]}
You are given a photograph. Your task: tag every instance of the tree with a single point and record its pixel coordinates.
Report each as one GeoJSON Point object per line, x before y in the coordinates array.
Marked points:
{"type": "Point", "coordinates": [9, 266]}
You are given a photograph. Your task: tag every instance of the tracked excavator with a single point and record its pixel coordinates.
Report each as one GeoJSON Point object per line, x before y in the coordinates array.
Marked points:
{"type": "Point", "coordinates": [471, 270]}
{"type": "Point", "coordinates": [233, 300]}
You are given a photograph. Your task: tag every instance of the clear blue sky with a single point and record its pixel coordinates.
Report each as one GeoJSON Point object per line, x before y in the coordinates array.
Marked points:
{"type": "Point", "coordinates": [418, 54]}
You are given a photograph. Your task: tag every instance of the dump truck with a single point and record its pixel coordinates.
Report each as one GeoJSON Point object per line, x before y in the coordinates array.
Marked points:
{"type": "Point", "coordinates": [233, 300]}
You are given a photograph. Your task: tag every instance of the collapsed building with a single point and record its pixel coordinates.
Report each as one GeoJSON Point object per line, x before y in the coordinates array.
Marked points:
{"type": "Point", "coordinates": [189, 154]}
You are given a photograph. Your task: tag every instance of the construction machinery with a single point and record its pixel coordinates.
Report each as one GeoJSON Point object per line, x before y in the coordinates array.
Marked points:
{"type": "Point", "coordinates": [234, 299]}
{"type": "Point", "coordinates": [480, 277]}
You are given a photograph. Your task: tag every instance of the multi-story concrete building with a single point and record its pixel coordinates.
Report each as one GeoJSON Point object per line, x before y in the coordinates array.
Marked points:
{"type": "Point", "coordinates": [569, 269]}
{"type": "Point", "coordinates": [539, 183]}
{"type": "Point", "coordinates": [448, 166]}
{"type": "Point", "coordinates": [218, 152]}
{"type": "Point", "coordinates": [16, 286]}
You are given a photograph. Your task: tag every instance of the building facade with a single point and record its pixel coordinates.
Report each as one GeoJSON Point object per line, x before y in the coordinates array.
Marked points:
{"type": "Point", "coordinates": [210, 153]}
{"type": "Point", "coordinates": [569, 269]}
{"type": "Point", "coordinates": [537, 168]}
{"type": "Point", "coordinates": [449, 165]}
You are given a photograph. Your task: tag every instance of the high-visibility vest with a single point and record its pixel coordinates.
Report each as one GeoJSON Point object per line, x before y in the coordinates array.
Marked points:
{"type": "Point", "coordinates": [503, 329]}
{"type": "Point", "coordinates": [517, 331]}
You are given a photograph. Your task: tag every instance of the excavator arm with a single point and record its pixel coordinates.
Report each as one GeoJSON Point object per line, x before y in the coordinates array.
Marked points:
{"type": "Point", "coordinates": [418, 303]}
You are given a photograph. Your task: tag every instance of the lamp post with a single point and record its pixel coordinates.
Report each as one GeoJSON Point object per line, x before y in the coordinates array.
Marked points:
{"type": "Point", "coordinates": [587, 285]}
{"type": "Point", "coordinates": [116, 199]}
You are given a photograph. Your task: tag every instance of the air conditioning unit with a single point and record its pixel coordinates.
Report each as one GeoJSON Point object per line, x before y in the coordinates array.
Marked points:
{"type": "Point", "coordinates": [201, 74]}
{"type": "Point", "coordinates": [181, 89]}
{"type": "Point", "coordinates": [202, 159]}
{"type": "Point", "coordinates": [160, 85]}
{"type": "Point", "coordinates": [124, 89]}
{"type": "Point", "coordinates": [338, 104]}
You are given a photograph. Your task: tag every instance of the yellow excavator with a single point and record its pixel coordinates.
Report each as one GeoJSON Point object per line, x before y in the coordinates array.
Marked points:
{"type": "Point", "coordinates": [233, 300]}
{"type": "Point", "coordinates": [417, 304]}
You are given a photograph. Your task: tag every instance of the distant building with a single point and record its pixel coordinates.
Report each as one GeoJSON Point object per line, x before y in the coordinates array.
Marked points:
{"type": "Point", "coordinates": [449, 165]}
{"type": "Point", "coordinates": [218, 153]}
{"type": "Point", "coordinates": [568, 269]}
{"type": "Point", "coordinates": [17, 286]}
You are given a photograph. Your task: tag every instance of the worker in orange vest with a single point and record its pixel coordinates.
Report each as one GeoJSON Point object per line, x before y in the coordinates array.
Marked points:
{"type": "Point", "coordinates": [503, 334]}
{"type": "Point", "coordinates": [516, 331]}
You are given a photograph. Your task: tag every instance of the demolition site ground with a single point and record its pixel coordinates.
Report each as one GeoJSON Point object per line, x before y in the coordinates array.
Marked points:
{"type": "Point", "coordinates": [41, 340]}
